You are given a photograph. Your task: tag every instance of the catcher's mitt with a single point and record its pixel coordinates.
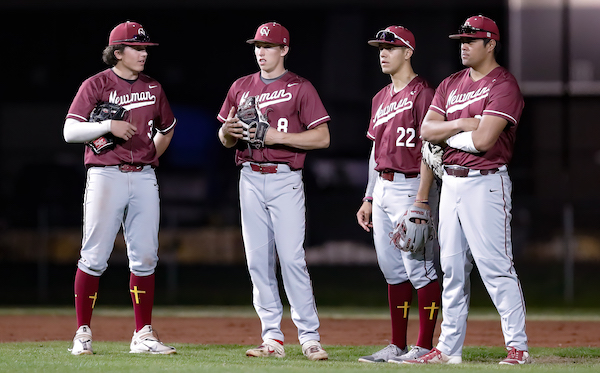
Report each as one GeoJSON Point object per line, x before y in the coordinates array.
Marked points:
{"type": "Point", "coordinates": [410, 236]}
{"type": "Point", "coordinates": [251, 117]}
{"type": "Point", "coordinates": [432, 156]}
{"type": "Point", "coordinates": [104, 111]}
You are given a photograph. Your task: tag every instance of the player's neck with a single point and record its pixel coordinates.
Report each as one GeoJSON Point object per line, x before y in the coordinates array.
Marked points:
{"type": "Point", "coordinates": [276, 72]}
{"type": "Point", "coordinates": [125, 73]}
{"type": "Point", "coordinates": [401, 78]}
{"type": "Point", "coordinates": [480, 71]}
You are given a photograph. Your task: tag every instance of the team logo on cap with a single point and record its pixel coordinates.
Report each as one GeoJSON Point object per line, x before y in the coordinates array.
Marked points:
{"type": "Point", "coordinates": [142, 32]}
{"type": "Point", "coordinates": [265, 31]}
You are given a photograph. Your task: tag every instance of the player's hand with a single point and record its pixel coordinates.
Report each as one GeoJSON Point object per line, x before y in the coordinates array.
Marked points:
{"type": "Point", "coordinates": [423, 206]}
{"type": "Point", "coordinates": [363, 216]}
{"type": "Point", "coordinates": [121, 129]}
{"type": "Point", "coordinates": [232, 127]}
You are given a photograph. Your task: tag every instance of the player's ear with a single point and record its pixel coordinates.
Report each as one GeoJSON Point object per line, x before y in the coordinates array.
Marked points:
{"type": "Point", "coordinates": [408, 53]}
{"type": "Point", "coordinates": [284, 50]}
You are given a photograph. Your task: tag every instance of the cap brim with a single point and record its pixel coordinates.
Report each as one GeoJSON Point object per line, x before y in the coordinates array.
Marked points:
{"type": "Point", "coordinates": [131, 43]}
{"type": "Point", "coordinates": [252, 41]}
{"type": "Point", "coordinates": [377, 43]}
{"type": "Point", "coordinates": [478, 35]}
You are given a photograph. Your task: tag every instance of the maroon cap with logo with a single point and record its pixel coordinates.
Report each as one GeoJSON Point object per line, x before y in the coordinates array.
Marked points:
{"type": "Point", "coordinates": [129, 33]}
{"type": "Point", "coordinates": [394, 35]}
{"type": "Point", "coordinates": [271, 32]}
{"type": "Point", "coordinates": [478, 27]}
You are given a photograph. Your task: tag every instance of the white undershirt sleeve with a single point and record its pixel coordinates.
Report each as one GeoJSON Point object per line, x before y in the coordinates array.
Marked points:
{"type": "Point", "coordinates": [372, 174]}
{"type": "Point", "coordinates": [463, 141]}
{"type": "Point", "coordinates": [75, 131]}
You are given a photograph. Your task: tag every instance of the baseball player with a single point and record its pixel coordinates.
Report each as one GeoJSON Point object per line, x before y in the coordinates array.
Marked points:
{"type": "Point", "coordinates": [476, 112]}
{"type": "Point", "coordinates": [272, 191]}
{"type": "Point", "coordinates": [121, 187]}
{"type": "Point", "coordinates": [394, 174]}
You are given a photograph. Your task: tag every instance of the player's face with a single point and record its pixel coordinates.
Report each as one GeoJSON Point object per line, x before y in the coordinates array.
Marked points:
{"type": "Point", "coordinates": [391, 58]}
{"type": "Point", "coordinates": [269, 56]}
{"type": "Point", "coordinates": [133, 58]}
{"type": "Point", "coordinates": [472, 52]}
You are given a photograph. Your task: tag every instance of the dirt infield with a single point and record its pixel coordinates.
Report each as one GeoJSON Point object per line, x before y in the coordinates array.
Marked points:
{"type": "Point", "coordinates": [246, 331]}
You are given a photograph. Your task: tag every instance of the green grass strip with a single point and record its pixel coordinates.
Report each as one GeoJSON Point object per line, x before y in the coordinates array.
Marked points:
{"type": "Point", "coordinates": [53, 356]}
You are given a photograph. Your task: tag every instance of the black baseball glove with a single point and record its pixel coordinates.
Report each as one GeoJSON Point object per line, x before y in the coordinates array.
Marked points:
{"type": "Point", "coordinates": [251, 117]}
{"type": "Point", "coordinates": [104, 111]}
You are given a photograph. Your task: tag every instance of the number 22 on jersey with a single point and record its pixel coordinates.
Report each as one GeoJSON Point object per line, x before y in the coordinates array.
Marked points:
{"type": "Point", "coordinates": [406, 137]}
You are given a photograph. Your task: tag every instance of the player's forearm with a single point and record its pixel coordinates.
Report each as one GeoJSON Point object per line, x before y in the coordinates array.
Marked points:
{"type": "Point", "coordinates": [372, 174]}
{"type": "Point", "coordinates": [317, 138]}
{"type": "Point", "coordinates": [75, 131]}
{"type": "Point", "coordinates": [437, 131]}
{"type": "Point", "coordinates": [161, 142]}
{"type": "Point", "coordinates": [425, 183]}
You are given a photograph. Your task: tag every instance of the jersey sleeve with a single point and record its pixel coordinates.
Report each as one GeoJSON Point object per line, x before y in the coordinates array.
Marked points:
{"type": "Point", "coordinates": [422, 105]}
{"type": "Point", "coordinates": [227, 104]}
{"type": "Point", "coordinates": [505, 101]}
{"type": "Point", "coordinates": [311, 109]}
{"type": "Point", "coordinates": [438, 103]}
{"type": "Point", "coordinates": [85, 100]}
{"type": "Point", "coordinates": [371, 130]}
{"type": "Point", "coordinates": [167, 119]}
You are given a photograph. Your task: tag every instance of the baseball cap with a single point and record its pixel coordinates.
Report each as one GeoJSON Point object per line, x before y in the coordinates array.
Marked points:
{"type": "Point", "coordinates": [271, 32]}
{"type": "Point", "coordinates": [394, 35]}
{"type": "Point", "coordinates": [478, 27]}
{"type": "Point", "coordinates": [129, 33]}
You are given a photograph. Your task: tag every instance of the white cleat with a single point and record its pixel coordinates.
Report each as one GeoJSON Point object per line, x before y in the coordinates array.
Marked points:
{"type": "Point", "coordinates": [82, 343]}
{"type": "Point", "coordinates": [314, 351]}
{"type": "Point", "coordinates": [269, 348]}
{"type": "Point", "coordinates": [414, 353]}
{"type": "Point", "coordinates": [145, 342]}
{"type": "Point", "coordinates": [435, 356]}
{"type": "Point", "coordinates": [385, 354]}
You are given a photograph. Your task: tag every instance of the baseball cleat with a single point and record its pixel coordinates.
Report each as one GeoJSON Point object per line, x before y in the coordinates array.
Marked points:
{"type": "Point", "coordinates": [435, 356]}
{"type": "Point", "coordinates": [384, 355]}
{"type": "Point", "coordinates": [516, 357]}
{"type": "Point", "coordinates": [269, 348]}
{"type": "Point", "coordinates": [314, 351]}
{"type": "Point", "coordinates": [145, 342]}
{"type": "Point", "coordinates": [414, 353]}
{"type": "Point", "coordinates": [82, 343]}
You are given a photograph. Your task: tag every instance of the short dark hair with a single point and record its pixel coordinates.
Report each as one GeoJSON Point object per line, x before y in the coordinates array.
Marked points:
{"type": "Point", "coordinates": [108, 55]}
{"type": "Point", "coordinates": [496, 48]}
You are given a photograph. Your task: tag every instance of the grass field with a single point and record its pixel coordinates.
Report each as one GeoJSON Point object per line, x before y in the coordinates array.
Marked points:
{"type": "Point", "coordinates": [52, 356]}
{"type": "Point", "coordinates": [113, 357]}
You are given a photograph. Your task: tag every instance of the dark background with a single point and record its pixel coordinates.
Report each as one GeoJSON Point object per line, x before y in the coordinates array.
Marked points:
{"type": "Point", "coordinates": [50, 49]}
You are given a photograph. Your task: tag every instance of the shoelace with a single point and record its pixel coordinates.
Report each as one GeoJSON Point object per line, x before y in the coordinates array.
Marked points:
{"type": "Point", "coordinates": [513, 353]}
{"type": "Point", "coordinates": [385, 351]}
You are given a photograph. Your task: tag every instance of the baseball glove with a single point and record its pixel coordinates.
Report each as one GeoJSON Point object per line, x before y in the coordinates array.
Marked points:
{"type": "Point", "coordinates": [410, 236]}
{"type": "Point", "coordinates": [251, 117]}
{"type": "Point", "coordinates": [432, 156]}
{"type": "Point", "coordinates": [104, 111]}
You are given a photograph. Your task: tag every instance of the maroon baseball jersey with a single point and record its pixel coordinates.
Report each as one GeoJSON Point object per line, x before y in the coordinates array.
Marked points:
{"type": "Point", "coordinates": [291, 105]}
{"type": "Point", "coordinates": [147, 107]}
{"type": "Point", "coordinates": [395, 125]}
{"type": "Point", "coordinates": [498, 94]}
